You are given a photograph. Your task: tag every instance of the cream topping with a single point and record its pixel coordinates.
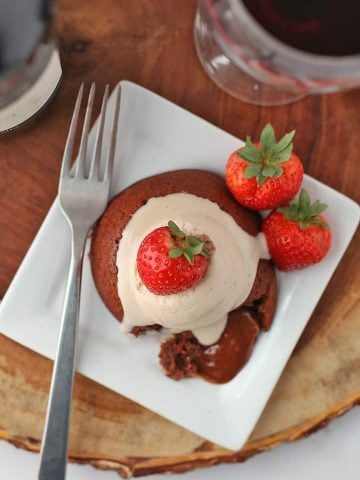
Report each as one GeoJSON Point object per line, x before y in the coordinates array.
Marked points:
{"type": "Point", "coordinates": [226, 283]}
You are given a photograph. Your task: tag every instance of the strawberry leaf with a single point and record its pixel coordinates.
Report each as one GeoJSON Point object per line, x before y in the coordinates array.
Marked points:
{"type": "Point", "coordinates": [175, 230]}
{"type": "Point", "coordinates": [318, 221]}
{"type": "Point", "coordinates": [278, 171]}
{"type": "Point", "coordinates": [252, 170]}
{"type": "Point", "coordinates": [196, 246]}
{"type": "Point", "coordinates": [250, 155]}
{"type": "Point", "coordinates": [196, 249]}
{"type": "Point", "coordinates": [302, 211]}
{"type": "Point", "coordinates": [268, 171]}
{"type": "Point", "coordinates": [284, 143]}
{"type": "Point", "coordinates": [304, 198]}
{"type": "Point", "coordinates": [193, 241]}
{"type": "Point", "coordinates": [175, 252]}
{"type": "Point", "coordinates": [261, 178]}
{"type": "Point", "coordinates": [189, 256]}
{"type": "Point", "coordinates": [267, 138]}
{"type": "Point", "coordinates": [318, 207]}
{"type": "Point", "coordinates": [284, 155]}
{"type": "Point", "coordinates": [249, 143]}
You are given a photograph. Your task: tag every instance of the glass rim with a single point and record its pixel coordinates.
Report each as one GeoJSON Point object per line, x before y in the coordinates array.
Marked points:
{"type": "Point", "coordinates": [20, 80]}
{"type": "Point", "coordinates": [290, 53]}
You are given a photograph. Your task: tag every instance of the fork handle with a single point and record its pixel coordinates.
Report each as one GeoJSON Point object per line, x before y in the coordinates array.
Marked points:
{"type": "Point", "coordinates": [55, 439]}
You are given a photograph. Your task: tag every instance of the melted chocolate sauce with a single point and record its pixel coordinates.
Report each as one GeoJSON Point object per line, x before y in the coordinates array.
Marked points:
{"type": "Point", "coordinates": [219, 363]}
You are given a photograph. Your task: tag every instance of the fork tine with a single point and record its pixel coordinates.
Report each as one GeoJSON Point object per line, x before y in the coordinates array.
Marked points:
{"type": "Point", "coordinates": [110, 157]}
{"type": "Point", "coordinates": [65, 166]}
{"type": "Point", "coordinates": [80, 170]}
{"type": "Point", "coordinates": [96, 158]}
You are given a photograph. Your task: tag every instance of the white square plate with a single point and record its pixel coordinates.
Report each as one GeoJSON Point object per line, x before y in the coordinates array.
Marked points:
{"type": "Point", "coordinates": [156, 136]}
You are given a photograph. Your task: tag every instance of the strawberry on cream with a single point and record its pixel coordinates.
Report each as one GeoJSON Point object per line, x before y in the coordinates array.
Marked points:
{"type": "Point", "coordinates": [228, 280]}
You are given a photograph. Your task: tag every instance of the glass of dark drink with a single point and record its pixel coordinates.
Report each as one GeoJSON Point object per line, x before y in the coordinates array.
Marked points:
{"type": "Point", "coordinates": [273, 52]}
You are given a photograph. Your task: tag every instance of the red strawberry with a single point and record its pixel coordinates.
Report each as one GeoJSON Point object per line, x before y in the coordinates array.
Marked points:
{"type": "Point", "coordinates": [168, 261]}
{"type": "Point", "coordinates": [297, 235]}
{"type": "Point", "coordinates": [266, 174]}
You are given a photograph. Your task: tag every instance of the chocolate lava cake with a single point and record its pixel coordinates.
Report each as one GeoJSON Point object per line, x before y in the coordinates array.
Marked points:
{"type": "Point", "coordinates": [181, 355]}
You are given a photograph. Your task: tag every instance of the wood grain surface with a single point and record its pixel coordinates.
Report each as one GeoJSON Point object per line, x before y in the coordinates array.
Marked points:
{"type": "Point", "coordinates": [150, 42]}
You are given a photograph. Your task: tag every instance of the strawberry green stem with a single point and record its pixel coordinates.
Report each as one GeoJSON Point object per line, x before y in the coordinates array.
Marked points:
{"type": "Point", "coordinates": [266, 158]}
{"type": "Point", "coordinates": [188, 245]}
{"type": "Point", "coordinates": [302, 211]}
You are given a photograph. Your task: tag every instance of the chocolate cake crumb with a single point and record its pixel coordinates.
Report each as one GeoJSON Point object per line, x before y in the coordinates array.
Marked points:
{"type": "Point", "coordinates": [178, 355]}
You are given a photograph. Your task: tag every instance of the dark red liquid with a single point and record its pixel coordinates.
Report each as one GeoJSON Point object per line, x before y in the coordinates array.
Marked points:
{"type": "Point", "coordinates": [326, 27]}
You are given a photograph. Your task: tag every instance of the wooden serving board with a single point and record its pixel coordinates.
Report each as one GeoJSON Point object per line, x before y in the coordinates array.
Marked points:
{"type": "Point", "coordinates": [321, 381]}
{"type": "Point", "coordinates": [151, 43]}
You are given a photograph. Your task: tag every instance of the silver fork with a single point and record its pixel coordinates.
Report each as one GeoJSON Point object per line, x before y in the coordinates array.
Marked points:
{"type": "Point", "coordinates": [83, 197]}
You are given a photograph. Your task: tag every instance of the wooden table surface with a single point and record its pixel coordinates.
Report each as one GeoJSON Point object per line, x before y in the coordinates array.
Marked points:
{"type": "Point", "coordinates": [151, 43]}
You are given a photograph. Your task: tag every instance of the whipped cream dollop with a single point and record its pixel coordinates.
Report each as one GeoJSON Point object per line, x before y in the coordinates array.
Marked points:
{"type": "Point", "coordinates": [227, 281]}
